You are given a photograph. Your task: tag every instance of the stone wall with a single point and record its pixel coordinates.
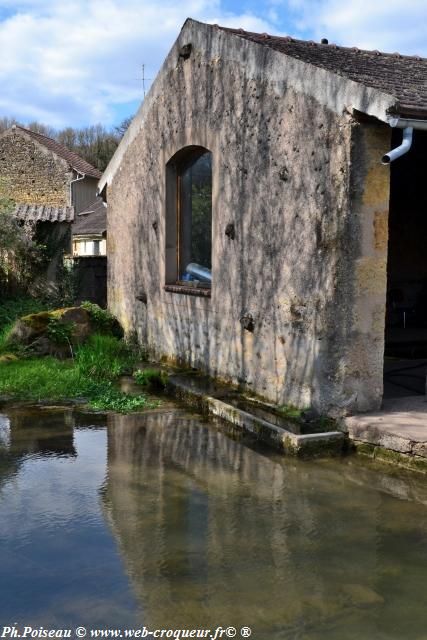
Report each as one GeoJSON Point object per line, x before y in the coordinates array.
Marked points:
{"type": "Point", "coordinates": [31, 174]}
{"type": "Point", "coordinates": [282, 173]}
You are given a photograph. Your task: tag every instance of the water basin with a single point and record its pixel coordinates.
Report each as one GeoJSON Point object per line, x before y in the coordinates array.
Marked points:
{"type": "Point", "coordinates": [168, 520]}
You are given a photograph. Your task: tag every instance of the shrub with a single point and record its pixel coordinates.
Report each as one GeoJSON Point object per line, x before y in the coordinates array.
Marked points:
{"type": "Point", "coordinates": [151, 378]}
{"type": "Point", "coordinates": [104, 357]}
{"type": "Point", "coordinates": [103, 320]}
{"type": "Point", "coordinates": [60, 332]}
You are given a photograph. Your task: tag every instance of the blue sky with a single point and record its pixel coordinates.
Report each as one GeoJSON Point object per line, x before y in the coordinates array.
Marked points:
{"type": "Point", "coordinates": [79, 62]}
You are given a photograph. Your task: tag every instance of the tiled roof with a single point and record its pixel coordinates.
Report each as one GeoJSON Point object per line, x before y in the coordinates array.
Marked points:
{"type": "Point", "coordinates": [72, 158]}
{"type": "Point", "coordinates": [404, 77]}
{"type": "Point", "coordinates": [44, 213]}
{"type": "Point", "coordinates": [91, 221]}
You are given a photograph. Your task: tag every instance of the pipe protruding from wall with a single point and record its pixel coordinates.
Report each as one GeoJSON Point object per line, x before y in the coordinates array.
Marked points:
{"type": "Point", "coordinates": [401, 149]}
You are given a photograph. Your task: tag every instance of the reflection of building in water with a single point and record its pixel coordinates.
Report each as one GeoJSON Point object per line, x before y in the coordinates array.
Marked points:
{"type": "Point", "coordinates": [23, 433]}
{"type": "Point", "coordinates": [213, 532]}
{"type": "Point", "coordinates": [29, 434]}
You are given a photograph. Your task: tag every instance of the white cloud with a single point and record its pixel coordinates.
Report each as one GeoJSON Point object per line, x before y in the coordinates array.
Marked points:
{"type": "Point", "coordinates": [80, 61]}
{"type": "Point", "coordinates": [387, 25]}
{"type": "Point", "coordinates": [75, 62]}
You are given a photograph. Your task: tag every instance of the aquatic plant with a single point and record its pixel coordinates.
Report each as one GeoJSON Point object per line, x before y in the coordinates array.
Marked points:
{"type": "Point", "coordinates": [154, 379]}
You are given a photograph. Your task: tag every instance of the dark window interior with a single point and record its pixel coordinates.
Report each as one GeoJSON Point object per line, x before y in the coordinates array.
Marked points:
{"type": "Point", "coordinates": [195, 212]}
{"type": "Point", "coordinates": [189, 220]}
{"type": "Point", "coordinates": [406, 315]}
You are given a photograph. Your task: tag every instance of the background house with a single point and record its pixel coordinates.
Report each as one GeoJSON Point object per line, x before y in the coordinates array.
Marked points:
{"type": "Point", "coordinates": [259, 159]}
{"type": "Point", "coordinates": [50, 186]}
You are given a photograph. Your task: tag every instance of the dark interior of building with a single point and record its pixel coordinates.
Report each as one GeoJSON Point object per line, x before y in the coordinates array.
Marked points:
{"type": "Point", "coordinates": [405, 364]}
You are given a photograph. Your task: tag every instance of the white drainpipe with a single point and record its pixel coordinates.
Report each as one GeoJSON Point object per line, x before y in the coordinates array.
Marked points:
{"type": "Point", "coordinates": [80, 176]}
{"type": "Point", "coordinates": [408, 125]}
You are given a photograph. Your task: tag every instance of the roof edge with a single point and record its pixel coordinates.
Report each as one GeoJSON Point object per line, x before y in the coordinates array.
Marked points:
{"type": "Point", "coordinates": [352, 94]}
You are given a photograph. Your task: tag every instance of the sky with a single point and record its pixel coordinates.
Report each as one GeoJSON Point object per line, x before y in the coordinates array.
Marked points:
{"type": "Point", "coordinates": [79, 62]}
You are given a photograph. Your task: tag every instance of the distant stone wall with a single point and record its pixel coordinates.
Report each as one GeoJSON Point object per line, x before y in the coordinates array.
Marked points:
{"type": "Point", "coordinates": [31, 174]}
{"type": "Point", "coordinates": [308, 199]}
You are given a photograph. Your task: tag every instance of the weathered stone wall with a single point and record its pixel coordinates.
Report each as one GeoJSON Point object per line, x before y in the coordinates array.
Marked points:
{"type": "Point", "coordinates": [281, 174]}
{"type": "Point", "coordinates": [31, 174]}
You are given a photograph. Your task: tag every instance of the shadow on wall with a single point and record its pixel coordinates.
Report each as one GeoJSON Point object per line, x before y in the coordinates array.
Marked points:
{"type": "Point", "coordinates": [291, 262]}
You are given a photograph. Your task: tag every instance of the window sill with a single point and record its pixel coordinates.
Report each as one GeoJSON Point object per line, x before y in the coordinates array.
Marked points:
{"type": "Point", "coordinates": [203, 292]}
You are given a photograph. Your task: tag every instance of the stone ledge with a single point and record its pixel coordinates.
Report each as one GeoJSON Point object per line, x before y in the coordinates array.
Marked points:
{"type": "Point", "coordinates": [400, 427]}
{"type": "Point", "coordinates": [412, 462]}
{"type": "Point", "coordinates": [304, 445]}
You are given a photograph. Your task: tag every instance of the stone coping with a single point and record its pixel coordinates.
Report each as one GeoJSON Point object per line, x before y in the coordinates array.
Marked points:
{"type": "Point", "coordinates": [397, 433]}
{"type": "Point", "coordinates": [306, 445]}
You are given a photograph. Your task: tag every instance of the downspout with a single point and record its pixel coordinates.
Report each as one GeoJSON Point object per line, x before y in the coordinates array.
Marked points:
{"type": "Point", "coordinates": [408, 125]}
{"type": "Point", "coordinates": [401, 149]}
{"type": "Point", "coordinates": [80, 176]}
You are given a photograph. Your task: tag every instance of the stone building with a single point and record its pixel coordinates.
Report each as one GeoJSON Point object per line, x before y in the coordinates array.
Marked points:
{"type": "Point", "coordinates": [253, 231]}
{"type": "Point", "coordinates": [50, 186]}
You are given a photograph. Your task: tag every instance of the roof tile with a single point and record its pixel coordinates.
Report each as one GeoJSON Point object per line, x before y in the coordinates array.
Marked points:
{"type": "Point", "coordinates": [44, 213]}
{"type": "Point", "coordinates": [404, 77]}
{"type": "Point", "coordinates": [72, 158]}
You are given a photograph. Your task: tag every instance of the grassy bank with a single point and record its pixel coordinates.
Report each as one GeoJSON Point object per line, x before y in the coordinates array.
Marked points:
{"type": "Point", "coordinates": [92, 375]}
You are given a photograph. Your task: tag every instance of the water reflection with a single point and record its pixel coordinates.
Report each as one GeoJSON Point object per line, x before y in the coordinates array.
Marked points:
{"type": "Point", "coordinates": [165, 520]}
{"type": "Point", "coordinates": [213, 532]}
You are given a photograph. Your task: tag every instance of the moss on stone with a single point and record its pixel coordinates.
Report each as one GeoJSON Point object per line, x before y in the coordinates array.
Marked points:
{"type": "Point", "coordinates": [8, 357]}
{"type": "Point", "coordinates": [38, 321]}
{"type": "Point", "coordinates": [415, 463]}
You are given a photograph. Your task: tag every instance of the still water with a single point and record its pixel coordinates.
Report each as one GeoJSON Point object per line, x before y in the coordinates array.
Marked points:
{"type": "Point", "coordinates": [168, 521]}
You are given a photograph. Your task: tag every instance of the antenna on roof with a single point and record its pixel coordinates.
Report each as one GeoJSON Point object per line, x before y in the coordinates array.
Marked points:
{"type": "Point", "coordinates": [144, 79]}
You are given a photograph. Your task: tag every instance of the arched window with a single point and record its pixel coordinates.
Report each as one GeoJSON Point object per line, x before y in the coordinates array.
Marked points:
{"type": "Point", "coordinates": [189, 218]}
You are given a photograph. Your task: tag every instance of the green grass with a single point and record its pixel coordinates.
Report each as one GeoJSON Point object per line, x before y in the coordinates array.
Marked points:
{"type": "Point", "coordinates": [90, 376]}
{"type": "Point", "coordinates": [291, 412]}
{"type": "Point", "coordinates": [151, 378]}
{"type": "Point", "coordinates": [104, 357]}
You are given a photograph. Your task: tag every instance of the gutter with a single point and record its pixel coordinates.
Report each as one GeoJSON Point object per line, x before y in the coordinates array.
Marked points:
{"type": "Point", "coordinates": [80, 176]}
{"type": "Point", "coordinates": [408, 125]}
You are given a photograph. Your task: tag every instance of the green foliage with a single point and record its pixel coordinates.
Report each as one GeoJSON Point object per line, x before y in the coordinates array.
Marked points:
{"type": "Point", "coordinates": [59, 332]}
{"type": "Point", "coordinates": [151, 379]}
{"type": "Point", "coordinates": [49, 379]}
{"type": "Point", "coordinates": [138, 350]}
{"type": "Point", "coordinates": [11, 310]}
{"type": "Point", "coordinates": [104, 357]}
{"type": "Point", "coordinates": [291, 412]}
{"type": "Point", "coordinates": [39, 379]}
{"type": "Point", "coordinates": [112, 399]}
{"type": "Point", "coordinates": [14, 308]}
{"type": "Point", "coordinates": [103, 320]}
{"type": "Point", "coordinates": [19, 254]}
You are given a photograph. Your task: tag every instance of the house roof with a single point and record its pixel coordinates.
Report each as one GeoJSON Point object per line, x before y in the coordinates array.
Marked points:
{"type": "Point", "coordinates": [375, 83]}
{"type": "Point", "coordinates": [44, 213]}
{"type": "Point", "coordinates": [75, 161]}
{"type": "Point", "coordinates": [91, 221]}
{"type": "Point", "coordinates": [404, 77]}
